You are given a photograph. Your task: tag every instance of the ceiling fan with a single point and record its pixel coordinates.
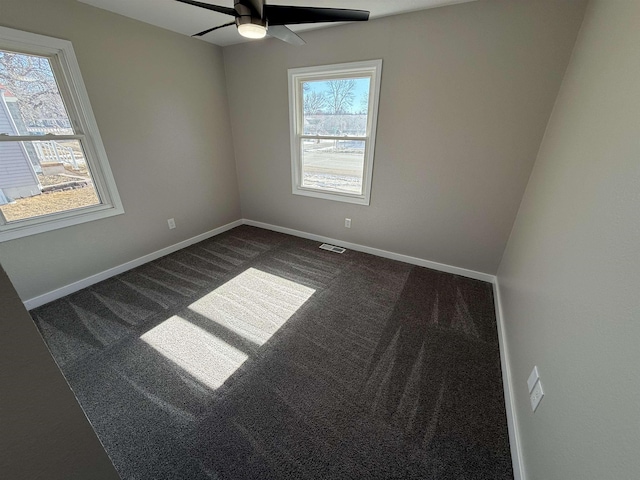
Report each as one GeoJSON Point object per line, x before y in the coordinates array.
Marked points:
{"type": "Point", "coordinates": [255, 19]}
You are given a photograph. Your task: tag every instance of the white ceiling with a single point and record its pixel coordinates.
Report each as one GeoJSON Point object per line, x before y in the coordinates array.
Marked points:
{"type": "Point", "coordinates": [188, 20]}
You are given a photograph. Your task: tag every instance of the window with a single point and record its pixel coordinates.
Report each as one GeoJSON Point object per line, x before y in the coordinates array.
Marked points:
{"type": "Point", "coordinates": [53, 168]}
{"type": "Point", "coordinates": [333, 112]}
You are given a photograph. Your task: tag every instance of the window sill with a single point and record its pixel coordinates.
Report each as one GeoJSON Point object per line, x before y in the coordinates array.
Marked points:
{"type": "Point", "coordinates": [336, 197]}
{"type": "Point", "coordinates": [25, 228]}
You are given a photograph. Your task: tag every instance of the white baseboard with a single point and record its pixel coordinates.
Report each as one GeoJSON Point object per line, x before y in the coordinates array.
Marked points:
{"type": "Point", "coordinates": [98, 277]}
{"type": "Point", "coordinates": [378, 252]}
{"type": "Point", "coordinates": [512, 423]}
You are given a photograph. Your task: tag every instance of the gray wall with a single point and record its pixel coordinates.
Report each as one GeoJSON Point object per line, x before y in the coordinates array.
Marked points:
{"type": "Point", "coordinates": [570, 277]}
{"type": "Point", "coordinates": [44, 433]}
{"type": "Point", "coordinates": [161, 105]}
{"type": "Point", "coordinates": [466, 93]}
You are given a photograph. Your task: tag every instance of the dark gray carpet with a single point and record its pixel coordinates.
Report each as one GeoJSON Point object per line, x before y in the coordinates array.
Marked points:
{"type": "Point", "coordinates": [256, 355]}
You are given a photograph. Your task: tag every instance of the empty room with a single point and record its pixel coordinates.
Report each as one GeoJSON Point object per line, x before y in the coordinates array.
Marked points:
{"type": "Point", "coordinates": [324, 239]}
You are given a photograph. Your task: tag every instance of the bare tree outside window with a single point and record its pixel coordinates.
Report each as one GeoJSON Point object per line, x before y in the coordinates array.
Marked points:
{"type": "Point", "coordinates": [31, 80]}
{"type": "Point", "coordinates": [314, 102]}
{"type": "Point", "coordinates": [341, 94]}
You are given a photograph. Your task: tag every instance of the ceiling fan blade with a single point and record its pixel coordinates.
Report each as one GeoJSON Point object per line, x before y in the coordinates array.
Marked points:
{"type": "Point", "coordinates": [286, 15]}
{"type": "Point", "coordinates": [208, 6]}
{"type": "Point", "coordinates": [204, 32]}
{"type": "Point", "coordinates": [283, 33]}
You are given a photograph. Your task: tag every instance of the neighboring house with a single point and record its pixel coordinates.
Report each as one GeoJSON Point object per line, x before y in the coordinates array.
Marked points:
{"type": "Point", "coordinates": [18, 178]}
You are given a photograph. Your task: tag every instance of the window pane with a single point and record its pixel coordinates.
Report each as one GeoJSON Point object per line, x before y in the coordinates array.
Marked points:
{"type": "Point", "coordinates": [336, 107]}
{"type": "Point", "coordinates": [44, 177]}
{"type": "Point", "coordinates": [333, 165]}
{"type": "Point", "coordinates": [30, 102]}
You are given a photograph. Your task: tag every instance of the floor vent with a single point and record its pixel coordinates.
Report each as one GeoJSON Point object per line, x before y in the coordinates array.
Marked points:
{"type": "Point", "coordinates": [332, 248]}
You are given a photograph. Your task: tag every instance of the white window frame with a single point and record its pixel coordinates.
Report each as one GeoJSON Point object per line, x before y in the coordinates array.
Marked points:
{"type": "Point", "coordinates": [76, 100]}
{"type": "Point", "coordinates": [297, 76]}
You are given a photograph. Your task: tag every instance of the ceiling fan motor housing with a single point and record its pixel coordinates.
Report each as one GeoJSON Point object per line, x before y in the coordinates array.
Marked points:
{"type": "Point", "coordinates": [243, 20]}
{"type": "Point", "coordinates": [247, 15]}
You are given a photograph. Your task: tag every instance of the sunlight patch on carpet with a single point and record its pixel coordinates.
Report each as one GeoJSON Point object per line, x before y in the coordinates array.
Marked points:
{"type": "Point", "coordinates": [201, 354]}
{"type": "Point", "coordinates": [253, 306]}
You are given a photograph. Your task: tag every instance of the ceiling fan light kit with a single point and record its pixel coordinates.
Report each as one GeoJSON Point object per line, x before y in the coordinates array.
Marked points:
{"type": "Point", "coordinates": [254, 23]}
{"type": "Point", "coordinates": [251, 28]}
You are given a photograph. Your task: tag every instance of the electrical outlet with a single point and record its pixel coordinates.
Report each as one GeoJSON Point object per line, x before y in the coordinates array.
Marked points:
{"type": "Point", "coordinates": [536, 395]}
{"type": "Point", "coordinates": [347, 222]}
{"type": "Point", "coordinates": [172, 223]}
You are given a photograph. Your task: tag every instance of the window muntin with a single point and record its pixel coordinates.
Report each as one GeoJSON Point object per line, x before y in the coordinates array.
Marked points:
{"type": "Point", "coordinates": [53, 168]}
{"type": "Point", "coordinates": [333, 112]}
